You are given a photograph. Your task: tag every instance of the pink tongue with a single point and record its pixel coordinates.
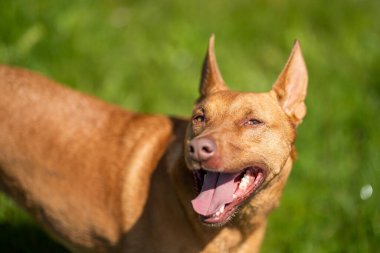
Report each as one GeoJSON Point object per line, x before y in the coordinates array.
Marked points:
{"type": "Point", "coordinates": [217, 190]}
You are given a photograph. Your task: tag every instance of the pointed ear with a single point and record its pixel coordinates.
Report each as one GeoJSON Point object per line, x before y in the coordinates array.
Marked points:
{"type": "Point", "coordinates": [211, 79]}
{"type": "Point", "coordinates": [291, 86]}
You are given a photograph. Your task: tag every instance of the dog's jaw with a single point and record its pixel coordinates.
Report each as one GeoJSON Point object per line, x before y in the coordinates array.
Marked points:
{"type": "Point", "coordinates": [245, 184]}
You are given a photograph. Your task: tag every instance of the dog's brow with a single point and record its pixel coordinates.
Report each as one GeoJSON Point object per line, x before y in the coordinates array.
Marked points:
{"type": "Point", "coordinates": [246, 113]}
{"type": "Point", "coordinates": [199, 108]}
{"type": "Point", "coordinates": [250, 112]}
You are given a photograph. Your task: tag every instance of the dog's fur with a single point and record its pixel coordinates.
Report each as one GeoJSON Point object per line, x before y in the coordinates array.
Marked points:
{"type": "Point", "coordinates": [102, 179]}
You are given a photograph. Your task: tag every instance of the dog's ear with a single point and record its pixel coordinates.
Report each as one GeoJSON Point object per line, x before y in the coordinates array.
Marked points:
{"type": "Point", "coordinates": [291, 86]}
{"type": "Point", "coordinates": [211, 79]}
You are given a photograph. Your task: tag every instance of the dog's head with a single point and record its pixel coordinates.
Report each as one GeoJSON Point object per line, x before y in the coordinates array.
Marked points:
{"type": "Point", "coordinates": [239, 145]}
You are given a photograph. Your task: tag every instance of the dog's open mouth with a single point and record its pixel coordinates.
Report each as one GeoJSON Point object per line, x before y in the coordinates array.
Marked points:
{"type": "Point", "coordinates": [220, 194]}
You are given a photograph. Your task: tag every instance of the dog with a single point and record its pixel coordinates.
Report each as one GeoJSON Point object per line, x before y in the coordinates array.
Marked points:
{"type": "Point", "coordinates": [99, 178]}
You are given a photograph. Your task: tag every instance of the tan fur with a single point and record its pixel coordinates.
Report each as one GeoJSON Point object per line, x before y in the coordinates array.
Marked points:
{"type": "Point", "coordinates": [102, 179]}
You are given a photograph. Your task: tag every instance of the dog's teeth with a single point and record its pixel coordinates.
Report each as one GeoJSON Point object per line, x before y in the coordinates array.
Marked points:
{"type": "Point", "coordinates": [221, 210]}
{"type": "Point", "coordinates": [217, 213]}
{"type": "Point", "coordinates": [246, 177]}
{"type": "Point", "coordinates": [234, 196]}
{"type": "Point", "coordinates": [243, 185]}
{"type": "Point", "coordinates": [245, 181]}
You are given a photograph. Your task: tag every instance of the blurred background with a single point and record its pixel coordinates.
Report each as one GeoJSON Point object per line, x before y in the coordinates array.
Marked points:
{"type": "Point", "coordinates": [146, 56]}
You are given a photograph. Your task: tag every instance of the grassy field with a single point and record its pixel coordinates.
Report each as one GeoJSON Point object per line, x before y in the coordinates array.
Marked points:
{"type": "Point", "coordinates": [146, 56]}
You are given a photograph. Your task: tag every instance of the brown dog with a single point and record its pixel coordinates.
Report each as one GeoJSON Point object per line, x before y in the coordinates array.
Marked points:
{"type": "Point", "coordinates": [102, 179]}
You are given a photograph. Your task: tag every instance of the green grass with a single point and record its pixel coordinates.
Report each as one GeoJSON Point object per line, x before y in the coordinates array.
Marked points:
{"type": "Point", "coordinates": [146, 56]}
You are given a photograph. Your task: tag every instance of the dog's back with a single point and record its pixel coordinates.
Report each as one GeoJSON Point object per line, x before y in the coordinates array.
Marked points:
{"type": "Point", "coordinates": [64, 157]}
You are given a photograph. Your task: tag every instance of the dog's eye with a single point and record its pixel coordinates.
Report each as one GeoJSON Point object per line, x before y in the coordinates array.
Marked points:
{"type": "Point", "coordinates": [254, 122]}
{"type": "Point", "coordinates": [198, 119]}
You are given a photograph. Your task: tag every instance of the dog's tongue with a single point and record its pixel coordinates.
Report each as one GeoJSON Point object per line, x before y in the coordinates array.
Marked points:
{"type": "Point", "coordinates": [217, 190]}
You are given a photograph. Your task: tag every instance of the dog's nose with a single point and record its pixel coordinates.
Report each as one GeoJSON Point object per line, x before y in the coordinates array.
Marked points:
{"type": "Point", "coordinates": [202, 149]}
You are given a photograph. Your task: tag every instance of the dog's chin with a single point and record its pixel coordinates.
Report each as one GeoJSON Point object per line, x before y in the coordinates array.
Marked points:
{"type": "Point", "coordinates": [246, 185]}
